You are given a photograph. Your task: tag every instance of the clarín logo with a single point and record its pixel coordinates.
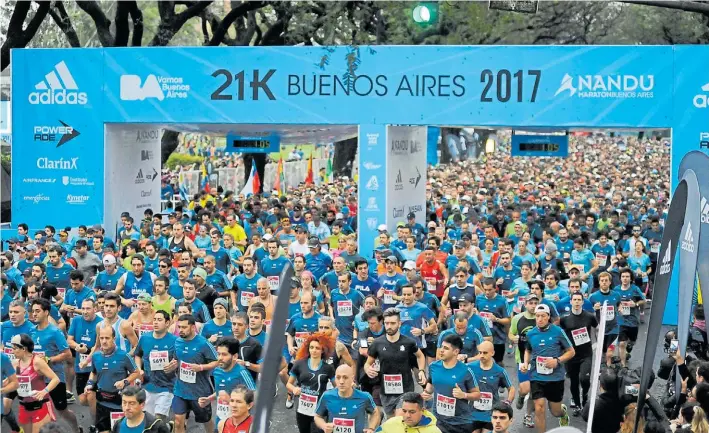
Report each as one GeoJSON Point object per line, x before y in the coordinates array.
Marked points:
{"type": "Point", "coordinates": [76, 199]}
{"type": "Point", "coordinates": [58, 87]}
{"type": "Point", "coordinates": [666, 260]}
{"type": "Point", "coordinates": [607, 86]}
{"type": "Point", "coordinates": [688, 241]}
{"type": "Point", "coordinates": [57, 164]}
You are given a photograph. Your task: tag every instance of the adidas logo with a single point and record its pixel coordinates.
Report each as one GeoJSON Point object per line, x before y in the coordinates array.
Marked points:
{"type": "Point", "coordinates": [688, 241]}
{"type": "Point", "coordinates": [666, 260]}
{"type": "Point", "coordinates": [58, 87]}
{"type": "Point", "coordinates": [398, 185]}
{"type": "Point", "coordinates": [704, 206]}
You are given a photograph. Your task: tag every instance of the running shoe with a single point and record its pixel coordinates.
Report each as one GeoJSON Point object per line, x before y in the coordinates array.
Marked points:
{"type": "Point", "coordinates": [520, 402]}
{"type": "Point", "coordinates": [564, 419]}
{"type": "Point", "coordinates": [528, 421]}
{"type": "Point", "coordinates": [576, 411]}
{"type": "Point", "coordinates": [70, 398]}
{"type": "Point", "coordinates": [289, 401]}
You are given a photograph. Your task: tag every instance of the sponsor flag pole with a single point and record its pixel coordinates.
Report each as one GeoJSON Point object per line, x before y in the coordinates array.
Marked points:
{"type": "Point", "coordinates": [595, 374]}
{"type": "Point", "coordinates": [668, 248]}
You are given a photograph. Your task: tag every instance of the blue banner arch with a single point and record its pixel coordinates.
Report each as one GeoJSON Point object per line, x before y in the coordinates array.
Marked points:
{"type": "Point", "coordinates": [62, 98]}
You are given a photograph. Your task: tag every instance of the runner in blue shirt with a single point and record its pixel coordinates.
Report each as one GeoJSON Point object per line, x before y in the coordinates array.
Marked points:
{"type": "Point", "coordinates": [338, 268]}
{"type": "Point", "coordinates": [199, 310]}
{"type": "Point", "coordinates": [152, 354]}
{"type": "Point", "coordinates": [547, 349]}
{"type": "Point", "coordinates": [490, 377]}
{"type": "Point", "coordinates": [18, 324]}
{"type": "Point", "coordinates": [218, 280]}
{"type": "Point", "coordinates": [585, 260]}
{"type": "Point", "coordinates": [316, 261]}
{"type": "Point", "coordinates": [221, 256]}
{"type": "Point", "coordinates": [227, 376]}
{"type": "Point", "coordinates": [137, 419]}
{"type": "Point", "coordinates": [452, 387]}
{"type": "Point", "coordinates": [505, 274]}
{"type": "Point", "coordinates": [564, 244]}
{"type": "Point", "coordinates": [345, 408]}
{"type": "Point", "coordinates": [417, 320]}
{"type": "Point", "coordinates": [613, 301]}
{"type": "Point", "coordinates": [632, 300]}
{"type": "Point", "coordinates": [245, 283]}
{"type": "Point", "coordinates": [57, 271]}
{"type": "Point", "coordinates": [75, 297]}
{"type": "Point", "coordinates": [302, 324]}
{"type": "Point", "coordinates": [107, 280]}
{"type": "Point", "coordinates": [151, 257]}
{"type": "Point", "coordinates": [195, 359]}
{"type": "Point", "coordinates": [493, 308]}
{"type": "Point", "coordinates": [133, 283]}
{"type": "Point", "coordinates": [81, 338]}
{"type": "Point", "coordinates": [452, 294]}
{"type": "Point", "coordinates": [345, 304]}
{"type": "Point", "coordinates": [362, 281]}
{"type": "Point", "coordinates": [602, 252]}
{"type": "Point", "coordinates": [470, 337]}
{"type": "Point", "coordinates": [467, 305]}
{"type": "Point", "coordinates": [272, 266]}
{"type": "Point", "coordinates": [219, 326]}
{"type": "Point", "coordinates": [390, 282]}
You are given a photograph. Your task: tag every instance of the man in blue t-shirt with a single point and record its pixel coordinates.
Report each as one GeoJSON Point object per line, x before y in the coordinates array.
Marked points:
{"type": "Point", "coordinates": [194, 360]}
{"type": "Point", "coordinates": [547, 349]}
{"type": "Point", "coordinates": [493, 308]}
{"type": "Point", "coordinates": [345, 305]}
{"type": "Point", "coordinates": [490, 377]}
{"type": "Point", "coordinates": [632, 300]}
{"type": "Point", "coordinates": [417, 320]}
{"type": "Point", "coordinates": [245, 283]}
{"type": "Point", "coordinates": [316, 261]}
{"type": "Point", "coordinates": [345, 408]}
{"type": "Point", "coordinates": [82, 338]}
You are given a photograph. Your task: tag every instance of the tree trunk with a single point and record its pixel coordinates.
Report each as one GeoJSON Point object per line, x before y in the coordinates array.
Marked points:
{"type": "Point", "coordinates": [343, 161]}
{"type": "Point", "coordinates": [168, 144]}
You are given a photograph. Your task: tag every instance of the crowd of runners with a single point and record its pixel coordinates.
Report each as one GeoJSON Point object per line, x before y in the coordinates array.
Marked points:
{"type": "Point", "coordinates": [168, 318]}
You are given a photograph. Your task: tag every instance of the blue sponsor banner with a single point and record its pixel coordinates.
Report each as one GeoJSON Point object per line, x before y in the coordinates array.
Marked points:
{"type": "Point", "coordinates": [372, 184]}
{"type": "Point", "coordinates": [432, 145]}
{"type": "Point", "coordinates": [252, 144]}
{"type": "Point", "coordinates": [529, 145]}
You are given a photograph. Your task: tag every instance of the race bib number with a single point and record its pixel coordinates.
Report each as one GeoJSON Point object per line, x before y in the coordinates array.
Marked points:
{"type": "Point", "coordinates": [223, 409]}
{"type": "Point", "coordinates": [393, 384]}
{"type": "Point", "coordinates": [84, 358]}
{"type": "Point", "coordinates": [389, 297]}
{"type": "Point", "coordinates": [245, 298]}
{"type": "Point", "coordinates": [541, 368]}
{"type": "Point", "coordinates": [601, 259]}
{"type": "Point", "coordinates": [655, 247]}
{"type": "Point", "coordinates": [610, 313]}
{"type": "Point", "coordinates": [487, 316]}
{"type": "Point", "coordinates": [39, 353]}
{"type": "Point", "coordinates": [521, 301]}
{"type": "Point", "coordinates": [363, 343]}
{"type": "Point", "coordinates": [430, 284]}
{"type": "Point", "coordinates": [10, 354]}
{"type": "Point", "coordinates": [580, 336]}
{"type": "Point", "coordinates": [145, 329]}
{"type": "Point", "coordinates": [25, 389]}
{"type": "Point", "coordinates": [485, 402]}
{"type": "Point", "coordinates": [343, 425]}
{"type": "Point", "coordinates": [158, 360]}
{"type": "Point", "coordinates": [307, 404]}
{"type": "Point", "coordinates": [186, 375]}
{"type": "Point", "coordinates": [61, 292]}
{"type": "Point", "coordinates": [506, 293]}
{"type": "Point", "coordinates": [274, 283]}
{"type": "Point", "coordinates": [445, 405]}
{"type": "Point", "coordinates": [115, 417]}
{"type": "Point", "coordinates": [300, 338]}
{"type": "Point", "coordinates": [625, 307]}
{"type": "Point", "coordinates": [344, 308]}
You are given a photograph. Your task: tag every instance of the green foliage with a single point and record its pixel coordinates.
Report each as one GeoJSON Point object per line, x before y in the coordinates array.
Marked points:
{"type": "Point", "coordinates": [181, 160]}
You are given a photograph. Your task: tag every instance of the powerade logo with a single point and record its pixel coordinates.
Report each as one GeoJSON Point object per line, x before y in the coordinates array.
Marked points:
{"type": "Point", "coordinates": [666, 260]}
{"type": "Point", "coordinates": [704, 140]}
{"type": "Point", "coordinates": [57, 164]}
{"type": "Point", "coordinates": [607, 86]}
{"type": "Point", "coordinates": [58, 87]}
{"type": "Point", "coordinates": [688, 241]}
{"type": "Point", "coordinates": [65, 133]}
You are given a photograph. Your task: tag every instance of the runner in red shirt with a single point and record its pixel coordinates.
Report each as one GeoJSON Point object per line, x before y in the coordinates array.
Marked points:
{"type": "Point", "coordinates": [433, 272]}
{"type": "Point", "coordinates": [241, 403]}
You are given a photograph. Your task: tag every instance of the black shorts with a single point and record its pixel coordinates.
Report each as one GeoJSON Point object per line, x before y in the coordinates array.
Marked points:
{"type": "Point", "coordinates": [58, 395]}
{"type": "Point", "coordinates": [103, 417]}
{"type": "Point", "coordinates": [499, 355]}
{"type": "Point", "coordinates": [81, 380]}
{"type": "Point", "coordinates": [479, 425]}
{"type": "Point", "coordinates": [180, 406]}
{"type": "Point", "coordinates": [457, 428]}
{"type": "Point", "coordinates": [552, 391]}
{"type": "Point", "coordinates": [10, 395]}
{"type": "Point", "coordinates": [430, 350]}
{"type": "Point", "coordinates": [608, 339]}
{"type": "Point", "coordinates": [628, 333]}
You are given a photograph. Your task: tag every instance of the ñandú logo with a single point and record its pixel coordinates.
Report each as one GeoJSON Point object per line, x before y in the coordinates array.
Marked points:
{"type": "Point", "coordinates": [607, 86]}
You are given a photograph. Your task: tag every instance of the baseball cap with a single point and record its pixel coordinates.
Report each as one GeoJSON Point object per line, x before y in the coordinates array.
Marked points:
{"type": "Point", "coordinates": [574, 268]}
{"type": "Point", "coordinates": [16, 340]}
{"type": "Point", "coordinates": [466, 297]}
{"type": "Point", "coordinates": [409, 265]}
{"type": "Point", "coordinates": [550, 247]}
{"type": "Point", "coordinates": [382, 227]}
{"type": "Point", "coordinates": [31, 247]}
{"type": "Point", "coordinates": [145, 297]}
{"type": "Point", "coordinates": [391, 258]}
{"type": "Point", "coordinates": [109, 259]}
{"type": "Point", "coordinates": [401, 224]}
{"type": "Point", "coordinates": [300, 229]}
{"type": "Point", "coordinates": [531, 296]}
{"type": "Point", "coordinates": [313, 243]}
{"type": "Point", "coordinates": [541, 308]}
{"type": "Point", "coordinates": [411, 216]}
{"type": "Point", "coordinates": [267, 237]}
{"type": "Point", "coordinates": [200, 272]}
{"type": "Point", "coordinates": [13, 241]}
{"type": "Point", "coordinates": [459, 245]}
{"type": "Point", "coordinates": [222, 302]}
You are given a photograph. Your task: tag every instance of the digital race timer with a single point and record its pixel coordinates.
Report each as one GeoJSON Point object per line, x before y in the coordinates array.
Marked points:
{"type": "Point", "coordinates": [253, 144]}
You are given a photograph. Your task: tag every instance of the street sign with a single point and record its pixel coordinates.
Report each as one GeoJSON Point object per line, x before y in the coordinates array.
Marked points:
{"type": "Point", "coordinates": [527, 7]}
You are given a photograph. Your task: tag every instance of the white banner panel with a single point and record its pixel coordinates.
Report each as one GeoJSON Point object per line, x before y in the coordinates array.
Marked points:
{"type": "Point", "coordinates": [406, 174]}
{"type": "Point", "coordinates": [132, 168]}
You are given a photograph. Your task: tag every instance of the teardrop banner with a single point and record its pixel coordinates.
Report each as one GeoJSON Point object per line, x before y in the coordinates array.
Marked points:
{"type": "Point", "coordinates": [689, 247]}
{"type": "Point", "coordinates": [699, 162]}
{"type": "Point", "coordinates": [272, 360]}
{"type": "Point", "coordinates": [596, 371]}
{"type": "Point", "coordinates": [666, 258]}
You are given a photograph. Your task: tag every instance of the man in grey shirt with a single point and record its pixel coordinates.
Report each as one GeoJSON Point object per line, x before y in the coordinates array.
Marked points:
{"type": "Point", "coordinates": [86, 262]}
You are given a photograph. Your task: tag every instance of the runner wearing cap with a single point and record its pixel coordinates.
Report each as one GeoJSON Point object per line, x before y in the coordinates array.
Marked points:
{"type": "Point", "coordinates": [452, 386]}
{"type": "Point", "coordinates": [547, 349]}
{"type": "Point", "coordinates": [390, 282]}
{"type": "Point", "coordinates": [459, 257]}
{"type": "Point", "coordinates": [219, 326]}
{"type": "Point", "coordinates": [300, 245]}
{"type": "Point", "coordinates": [613, 303]}
{"type": "Point", "coordinates": [549, 260]}
{"type": "Point", "coordinates": [520, 325]}
{"type": "Point", "coordinates": [38, 382]}
{"type": "Point", "coordinates": [467, 305]}
{"type": "Point", "coordinates": [152, 354]}
{"type": "Point", "coordinates": [578, 325]}
{"type": "Point", "coordinates": [227, 376]}
{"type": "Point", "coordinates": [574, 274]}
{"type": "Point", "coordinates": [195, 359]}
{"type": "Point", "coordinates": [81, 338]}
{"type": "Point", "coordinates": [537, 288]}
{"type": "Point", "coordinates": [272, 266]}
{"type": "Point", "coordinates": [317, 261]}
{"type": "Point", "coordinates": [133, 283]}
{"type": "Point", "coordinates": [470, 337]}
{"type": "Point", "coordinates": [245, 283]}
{"type": "Point", "coordinates": [29, 260]}
{"type": "Point", "coordinates": [491, 377]}
{"type": "Point", "coordinates": [142, 318]}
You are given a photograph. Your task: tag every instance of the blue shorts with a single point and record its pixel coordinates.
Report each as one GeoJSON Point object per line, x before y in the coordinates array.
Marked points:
{"type": "Point", "coordinates": [523, 377]}
{"type": "Point", "coordinates": [180, 406]}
